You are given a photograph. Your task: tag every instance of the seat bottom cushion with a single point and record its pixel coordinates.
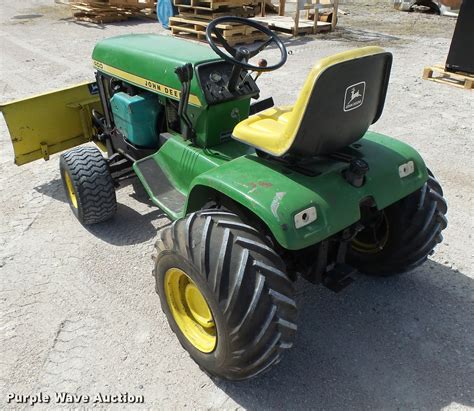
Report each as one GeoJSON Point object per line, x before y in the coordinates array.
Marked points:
{"type": "Point", "coordinates": [266, 130]}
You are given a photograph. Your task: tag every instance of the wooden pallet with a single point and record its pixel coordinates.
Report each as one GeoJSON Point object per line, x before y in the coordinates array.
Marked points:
{"type": "Point", "coordinates": [198, 36]}
{"type": "Point", "coordinates": [146, 13]}
{"type": "Point", "coordinates": [461, 80]}
{"type": "Point", "coordinates": [209, 14]}
{"type": "Point", "coordinates": [286, 24]}
{"type": "Point", "coordinates": [100, 13]}
{"type": "Point", "coordinates": [99, 18]}
{"type": "Point", "coordinates": [232, 33]}
{"type": "Point", "coordinates": [149, 13]}
{"type": "Point", "coordinates": [214, 4]}
{"type": "Point", "coordinates": [135, 4]}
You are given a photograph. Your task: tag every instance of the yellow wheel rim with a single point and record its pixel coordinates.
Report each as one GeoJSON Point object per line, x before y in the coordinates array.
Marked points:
{"type": "Point", "coordinates": [372, 241]}
{"type": "Point", "coordinates": [190, 310]}
{"type": "Point", "coordinates": [70, 189]}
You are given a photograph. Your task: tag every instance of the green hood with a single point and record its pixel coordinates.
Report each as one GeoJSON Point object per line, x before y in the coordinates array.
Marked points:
{"type": "Point", "coordinates": [149, 60]}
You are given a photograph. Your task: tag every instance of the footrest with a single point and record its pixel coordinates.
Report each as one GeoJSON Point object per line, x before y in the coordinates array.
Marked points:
{"type": "Point", "coordinates": [163, 193]}
{"type": "Point", "coordinates": [339, 277]}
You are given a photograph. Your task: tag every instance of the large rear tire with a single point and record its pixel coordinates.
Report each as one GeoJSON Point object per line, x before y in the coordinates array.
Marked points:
{"type": "Point", "coordinates": [225, 294]}
{"type": "Point", "coordinates": [88, 185]}
{"type": "Point", "coordinates": [403, 235]}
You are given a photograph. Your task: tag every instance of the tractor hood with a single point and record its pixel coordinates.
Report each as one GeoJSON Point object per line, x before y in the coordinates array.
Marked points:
{"type": "Point", "coordinates": [149, 61]}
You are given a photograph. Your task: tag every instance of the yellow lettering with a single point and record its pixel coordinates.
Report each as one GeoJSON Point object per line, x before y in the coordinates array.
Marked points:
{"type": "Point", "coordinates": [160, 88]}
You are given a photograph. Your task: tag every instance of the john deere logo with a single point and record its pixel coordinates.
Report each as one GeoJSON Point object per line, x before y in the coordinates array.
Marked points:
{"type": "Point", "coordinates": [354, 96]}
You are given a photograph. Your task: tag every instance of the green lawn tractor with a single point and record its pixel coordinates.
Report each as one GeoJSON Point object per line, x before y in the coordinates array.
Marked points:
{"type": "Point", "coordinates": [257, 194]}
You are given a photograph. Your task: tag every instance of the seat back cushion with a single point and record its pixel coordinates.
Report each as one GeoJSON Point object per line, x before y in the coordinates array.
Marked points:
{"type": "Point", "coordinates": [346, 98]}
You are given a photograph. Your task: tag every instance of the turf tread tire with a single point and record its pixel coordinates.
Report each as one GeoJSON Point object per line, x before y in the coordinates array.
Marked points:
{"type": "Point", "coordinates": [252, 296]}
{"type": "Point", "coordinates": [92, 182]}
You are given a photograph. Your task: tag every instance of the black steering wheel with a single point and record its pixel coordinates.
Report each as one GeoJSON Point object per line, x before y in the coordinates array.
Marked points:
{"type": "Point", "coordinates": [240, 55]}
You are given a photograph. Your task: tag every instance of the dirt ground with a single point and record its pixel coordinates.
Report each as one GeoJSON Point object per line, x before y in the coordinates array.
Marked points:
{"type": "Point", "coordinates": [78, 307]}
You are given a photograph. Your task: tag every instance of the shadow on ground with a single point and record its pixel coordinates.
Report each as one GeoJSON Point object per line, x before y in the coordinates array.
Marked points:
{"type": "Point", "coordinates": [53, 189]}
{"type": "Point", "coordinates": [127, 227]}
{"type": "Point", "coordinates": [352, 37]}
{"type": "Point", "coordinates": [404, 342]}
{"type": "Point", "coordinates": [359, 36]}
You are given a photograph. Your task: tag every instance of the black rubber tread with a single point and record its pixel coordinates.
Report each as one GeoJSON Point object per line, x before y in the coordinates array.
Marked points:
{"type": "Point", "coordinates": [93, 184]}
{"type": "Point", "coordinates": [244, 282]}
{"type": "Point", "coordinates": [415, 226]}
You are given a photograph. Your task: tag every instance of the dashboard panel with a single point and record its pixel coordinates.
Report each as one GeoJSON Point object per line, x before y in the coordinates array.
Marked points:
{"type": "Point", "coordinates": [214, 78]}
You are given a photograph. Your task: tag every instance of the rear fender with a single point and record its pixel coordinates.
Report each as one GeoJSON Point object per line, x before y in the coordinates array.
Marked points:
{"type": "Point", "coordinates": [51, 122]}
{"type": "Point", "coordinates": [276, 194]}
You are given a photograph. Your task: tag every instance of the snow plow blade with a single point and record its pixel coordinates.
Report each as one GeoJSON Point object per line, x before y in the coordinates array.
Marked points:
{"type": "Point", "coordinates": [51, 122]}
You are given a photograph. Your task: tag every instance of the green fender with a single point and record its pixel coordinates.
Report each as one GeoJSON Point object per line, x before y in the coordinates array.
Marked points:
{"type": "Point", "coordinates": [275, 193]}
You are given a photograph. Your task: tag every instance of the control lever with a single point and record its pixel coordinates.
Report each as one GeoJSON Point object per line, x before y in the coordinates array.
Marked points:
{"type": "Point", "coordinates": [242, 55]}
{"type": "Point", "coordinates": [355, 173]}
{"type": "Point", "coordinates": [185, 75]}
{"type": "Point", "coordinates": [261, 63]}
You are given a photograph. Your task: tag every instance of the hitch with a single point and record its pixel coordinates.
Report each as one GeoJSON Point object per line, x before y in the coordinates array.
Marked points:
{"type": "Point", "coordinates": [330, 268]}
{"type": "Point", "coordinates": [339, 277]}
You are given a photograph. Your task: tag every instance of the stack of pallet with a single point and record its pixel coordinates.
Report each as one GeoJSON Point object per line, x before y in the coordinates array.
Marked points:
{"type": "Point", "coordinates": [108, 11]}
{"type": "Point", "coordinates": [321, 16]}
{"type": "Point", "coordinates": [195, 15]}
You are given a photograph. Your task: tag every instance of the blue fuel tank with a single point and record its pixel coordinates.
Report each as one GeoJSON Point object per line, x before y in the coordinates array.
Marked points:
{"type": "Point", "coordinates": [136, 117]}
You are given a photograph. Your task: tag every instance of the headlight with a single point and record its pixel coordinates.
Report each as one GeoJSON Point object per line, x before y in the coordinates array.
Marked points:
{"type": "Point", "coordinates": [305, 217]}
{"type": "Point", "coordinates": [406, 169]}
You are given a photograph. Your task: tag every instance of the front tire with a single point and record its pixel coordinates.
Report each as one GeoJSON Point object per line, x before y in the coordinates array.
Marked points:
{"type": "Point", "coordinates": [88, 185]}
{"type": "Point", "coordinates": [248, 318]}
{"type": "Point", "coordinates": [403, 235]}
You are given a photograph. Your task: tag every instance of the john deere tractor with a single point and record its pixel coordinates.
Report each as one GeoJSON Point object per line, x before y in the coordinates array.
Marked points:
{"type": "Point", "coordinates": [257, 194]}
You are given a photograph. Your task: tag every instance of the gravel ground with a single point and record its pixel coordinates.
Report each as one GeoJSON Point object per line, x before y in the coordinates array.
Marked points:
{"type": "Point", "coordinates": [79, 312]}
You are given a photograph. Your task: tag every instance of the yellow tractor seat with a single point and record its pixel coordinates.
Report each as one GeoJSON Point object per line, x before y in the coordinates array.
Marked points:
{"type": "Point", "coordinates": [342, 96]}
